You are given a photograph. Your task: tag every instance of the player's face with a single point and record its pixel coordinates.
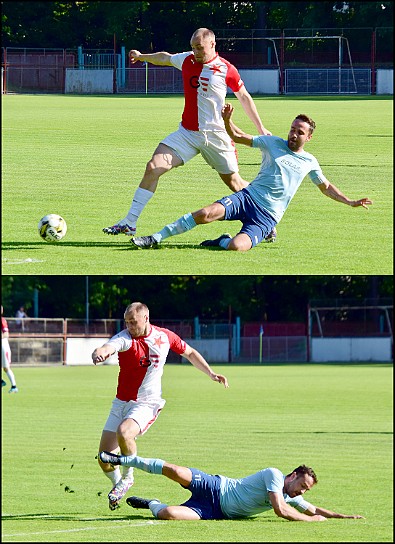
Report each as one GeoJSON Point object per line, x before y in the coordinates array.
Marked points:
{"type": "Point", "coordinates": [137, 323]}
{"type": "Point", "coordinates": [203, 48]}
{"type": "Point", "coordinates": [297, 485]}
{"type": "Point", "coordinates": [298, 135]}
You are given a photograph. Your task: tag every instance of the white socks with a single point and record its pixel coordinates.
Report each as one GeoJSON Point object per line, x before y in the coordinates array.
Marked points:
{"type": "Point", "coordinates": [11, 377]}
{"type": "Point", "coordinates": [140, 200]}
{"type": "Point", "coordinates": [114, 475]}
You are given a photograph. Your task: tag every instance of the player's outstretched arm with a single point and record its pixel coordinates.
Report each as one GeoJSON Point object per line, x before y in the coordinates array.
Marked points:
{"type": "Point", "coordinates": [316, 510]}
{"type": "Point", "coordinates": [249, 107]}
{"type": "Point", "coordinates": [101, 354]}
{"type": "Point", "coordinates": [286, 511]}
{"type": "Point", "coordinates": [199, 362]}
{"type": "Point", "coordinates": [160, 59]}
{"type": "Point", "coordinates": [330, 190]}
{"type": "Point", "coordinates": [237, 135]}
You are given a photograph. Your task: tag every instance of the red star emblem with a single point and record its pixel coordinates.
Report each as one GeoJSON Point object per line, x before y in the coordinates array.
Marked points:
{"type": "Point", "coordinates": [215, 69]}
{"type": "Point", "coordinates": [159, 342]}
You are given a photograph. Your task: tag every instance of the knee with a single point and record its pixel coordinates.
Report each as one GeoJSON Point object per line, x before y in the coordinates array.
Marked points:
{"type": "Point", "coordinates": [202, 216]}
{"type": "Point", "coordinates": [239, 245]}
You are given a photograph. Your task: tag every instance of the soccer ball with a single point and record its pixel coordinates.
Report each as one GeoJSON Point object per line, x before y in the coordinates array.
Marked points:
{"type": "Point", "coordinates": [52, 227]}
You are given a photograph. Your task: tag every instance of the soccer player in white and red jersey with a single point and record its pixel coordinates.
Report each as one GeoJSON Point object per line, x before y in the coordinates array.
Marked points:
{"type": "Point", "coordinates": [142, 351]}
{"type": "Point", "coordinates": [6, 355]}
{"type": "Point", "coordinates": [206, 77]}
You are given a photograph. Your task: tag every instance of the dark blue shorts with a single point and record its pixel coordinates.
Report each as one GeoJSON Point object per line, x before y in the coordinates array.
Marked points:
{"type": "Point", "coordinates": [257, 222]}
{"type": "Point", "coordinates": [205, 490]}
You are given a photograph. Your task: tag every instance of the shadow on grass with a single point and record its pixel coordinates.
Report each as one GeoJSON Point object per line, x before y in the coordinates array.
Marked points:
{"type": "Point", "coordinates": [120, 246]}
{"type": "Point", "coordinates": [71, 517]}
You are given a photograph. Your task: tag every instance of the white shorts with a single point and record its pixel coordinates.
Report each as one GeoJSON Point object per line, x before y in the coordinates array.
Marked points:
{"type": "Point", "coordinates": [216, 148]}
{"type": "Point", "coordinates": [144, 414]}
{"type": "Point", "coordinates": [5, 353]}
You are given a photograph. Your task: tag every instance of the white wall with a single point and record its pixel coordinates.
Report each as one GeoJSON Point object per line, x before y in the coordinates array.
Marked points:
{"type": "Point", "coordinates": [385, 82]}
{"type": "Point", "coordinates": [260, 81]}
{"type": "Point", "coordinates": [79, 351]}
{"type": "Point", "coordinates": [89, 81]}
{"type": "Point", "coordinates": [351, 349]}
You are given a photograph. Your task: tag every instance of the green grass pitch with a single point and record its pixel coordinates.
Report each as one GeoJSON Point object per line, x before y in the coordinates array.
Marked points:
{"type": "Point", "coordinates": [83, 157]}
{"type": "Point", "coordinates": [335, 418]}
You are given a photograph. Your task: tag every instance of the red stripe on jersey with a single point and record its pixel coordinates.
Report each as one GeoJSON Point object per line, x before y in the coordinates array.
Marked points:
{"type": "Point", "coordinates": [132, 370]}
{"type": "Point", "coordinates": [191, 71]}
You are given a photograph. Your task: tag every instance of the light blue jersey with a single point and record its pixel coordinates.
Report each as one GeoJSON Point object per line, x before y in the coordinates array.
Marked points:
{"type": "Point", "coordinates": [250, 495]}
{"type": "Point", "coordinates": [281, 173]}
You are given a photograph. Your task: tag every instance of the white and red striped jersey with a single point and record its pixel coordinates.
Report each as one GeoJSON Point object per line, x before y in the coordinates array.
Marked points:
{"type": "Point", "coordinates": [141, 362]}
{"type": "Point", "coordinates": [4, 325]}
{"type": "Point", "coordinates": [205, 87]}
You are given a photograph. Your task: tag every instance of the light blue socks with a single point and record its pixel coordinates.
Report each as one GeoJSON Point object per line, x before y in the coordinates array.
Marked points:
{"type": "Point", "coordinates": [185, 223]}
{"type": "Point", "coordinates": [154, 466]}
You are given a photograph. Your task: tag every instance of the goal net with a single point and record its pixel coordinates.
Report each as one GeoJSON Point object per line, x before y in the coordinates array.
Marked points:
{"type": "Point", "coordinates": [350, 321]}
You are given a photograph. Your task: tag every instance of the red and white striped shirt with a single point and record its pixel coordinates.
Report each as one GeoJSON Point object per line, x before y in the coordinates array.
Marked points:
{"type": "Point", "coordinates": [4, 325]}
{"type": "Point", "coordinates": [141, 362]}
{"type": "Point", "coordinates": [205, 87]}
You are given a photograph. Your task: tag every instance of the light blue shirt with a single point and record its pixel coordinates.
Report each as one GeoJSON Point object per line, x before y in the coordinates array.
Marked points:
{"type": "Point", "coordinates": [281, 173]}
{"type": "Point", "coordinates": [250, 495]}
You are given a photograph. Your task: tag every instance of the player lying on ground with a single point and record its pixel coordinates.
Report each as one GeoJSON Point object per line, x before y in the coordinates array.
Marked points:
{"type": "Point", "coordinates": [219, 497]}
{"type": "Point", "coordinates": [262, 204]}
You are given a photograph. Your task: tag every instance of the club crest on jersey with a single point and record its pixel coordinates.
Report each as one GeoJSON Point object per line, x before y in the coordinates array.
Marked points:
{"type": "Point", "coordinates": [194, 82]}
{"type": "Point", "coordinates": [144, 361]}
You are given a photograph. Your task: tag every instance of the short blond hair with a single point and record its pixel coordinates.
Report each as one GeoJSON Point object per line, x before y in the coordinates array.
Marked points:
{"type": "Point", "coordinates": [136, 307]}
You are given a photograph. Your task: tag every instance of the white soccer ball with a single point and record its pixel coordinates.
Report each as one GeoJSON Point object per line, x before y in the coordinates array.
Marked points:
{"type": "Point", "coordinates": [52, 227]}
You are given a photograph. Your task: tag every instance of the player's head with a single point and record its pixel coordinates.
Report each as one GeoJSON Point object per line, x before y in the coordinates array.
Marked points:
{"type": "Point", "coordinates": [203, 45]}
{"type": "Point", "coordinates": [300, 480]}
{"type": "Point", "coordinates": [137, 319]}
{"type": "Point", "coordinates": [301, 131]}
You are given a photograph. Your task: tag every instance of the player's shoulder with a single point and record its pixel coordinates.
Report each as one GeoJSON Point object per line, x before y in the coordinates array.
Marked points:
{"type": "Point", "coordinates": [179, 58]}
{"type": "Point", "coordinates": [267, 141]}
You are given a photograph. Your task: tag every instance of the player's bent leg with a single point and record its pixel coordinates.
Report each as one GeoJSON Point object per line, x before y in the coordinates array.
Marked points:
{"type": "Point", "coordinates": [178, 512]}
{"type": "Point", "coordinates": [109, 443]}
{"type": "Point", "coordinates": [213, 212]}
{"type": "Point", "coordinates": [126, 435]}
{"type": "Point", "coordinates": [241, 242]}
{"type": "Point", "coordinates": [181, 475]}
{"type": "Point", "coordinates": [234, 181]}
{"type": "Point", "coordinates": [163, 160]}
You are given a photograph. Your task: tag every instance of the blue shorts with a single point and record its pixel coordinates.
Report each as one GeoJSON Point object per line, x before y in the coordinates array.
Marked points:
{"type": "Point", "coordinates": [257, 222]}
{"type": "Point", "coordinates": [205, 490]}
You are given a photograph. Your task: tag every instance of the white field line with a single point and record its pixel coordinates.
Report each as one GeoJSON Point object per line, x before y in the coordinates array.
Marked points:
{"type": "Point", "coordinates": [138, 524]}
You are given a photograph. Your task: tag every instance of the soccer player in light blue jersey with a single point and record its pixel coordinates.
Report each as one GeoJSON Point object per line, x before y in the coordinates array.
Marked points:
{"type": "Point", "coordinates": [219, 497]}
{"type": "Point", "coordinates": [262, 204]}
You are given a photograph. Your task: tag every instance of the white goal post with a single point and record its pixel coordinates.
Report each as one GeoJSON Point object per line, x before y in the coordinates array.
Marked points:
{"type": "Point", "coordinates": [350, 333]}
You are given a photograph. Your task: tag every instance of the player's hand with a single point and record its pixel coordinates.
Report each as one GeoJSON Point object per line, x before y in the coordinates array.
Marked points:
{"type": "Point", "coordinates": [134, 55]}
{"type": "Point", "coordinates": [227, 112]}
{"type": "Point", "coordinates": [221, 379]}
{"type": "Point", "coordinates": [266, 132]}
{"type": "Point", "coordinates": [364, 202]}
{"type": "Point", "coordinates": [354, 516]}
{"type": "Point", "coordinates": [317, 517]}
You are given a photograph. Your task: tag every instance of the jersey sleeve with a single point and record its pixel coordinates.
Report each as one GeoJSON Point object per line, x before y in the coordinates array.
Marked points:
{"type": "Point", "coordinates": [177, 59]}
{"type": "Point", "coordinates": [177, 344]}
{"type": "Point", "coordinates": [233, 79]}
{"type": "Point", "coordinates": [316, 174]}
{"type": "Point", "coordinates": [299, 503]}
{"type": "Point", "coordinates": [118, 342]}
{"type": "Point", "coordinates": [274, 480]}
